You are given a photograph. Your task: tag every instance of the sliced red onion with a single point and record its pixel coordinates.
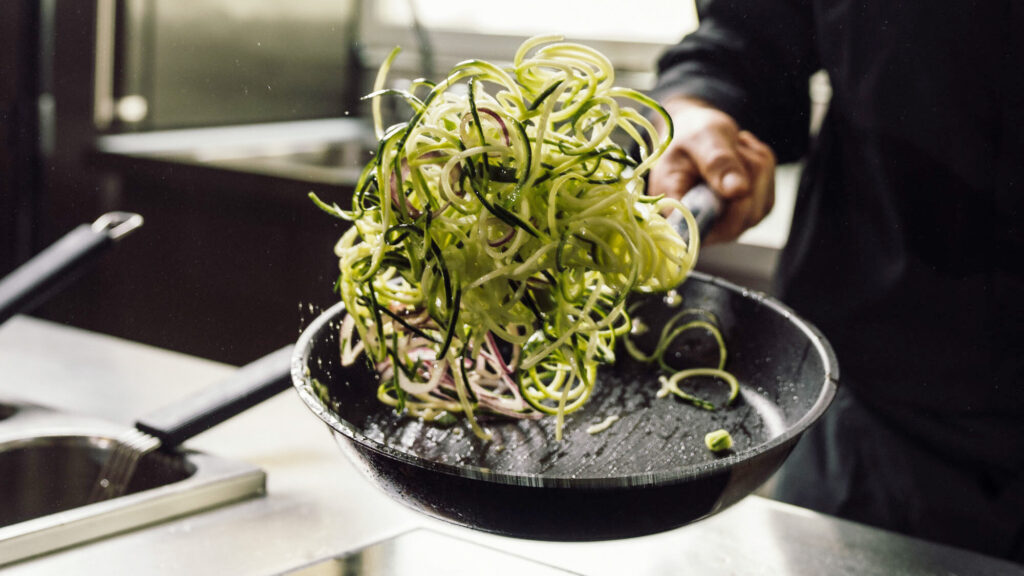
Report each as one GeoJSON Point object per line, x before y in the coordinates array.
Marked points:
{"type": "Point", "coordinates": [504, 239]}
{"type": "Point", "coordinates": [497, 118]}
{"type": "Point", "coordinates": [500, 121]}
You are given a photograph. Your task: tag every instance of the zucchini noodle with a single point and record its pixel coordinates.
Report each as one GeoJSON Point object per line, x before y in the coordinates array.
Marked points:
{"type": "Point", "coordinates": [496, 234]}
{"type": "Point", "coordinates": [695, 319]}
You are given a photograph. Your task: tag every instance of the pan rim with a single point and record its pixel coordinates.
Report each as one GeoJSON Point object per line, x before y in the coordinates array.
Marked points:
{"type": "Point", "coordinates": [339, 426]}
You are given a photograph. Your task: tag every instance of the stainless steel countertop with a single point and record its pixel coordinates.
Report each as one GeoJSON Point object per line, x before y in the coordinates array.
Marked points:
{"type": "Point", "coordinates": [317, 505]}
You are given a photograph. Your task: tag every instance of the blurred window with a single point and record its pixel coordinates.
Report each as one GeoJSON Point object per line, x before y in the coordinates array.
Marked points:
{"type": "Point", "coordinates": [632, 34]}
{"type": "Point", "coordinates": [647, 21]}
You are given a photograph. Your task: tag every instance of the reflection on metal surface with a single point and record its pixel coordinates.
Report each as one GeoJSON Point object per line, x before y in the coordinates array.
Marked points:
{"type": "Point", "coordinates": [330, 151]}
{"type": "Point", "coordinates": [337, 163]}
{"type": "Point", "coordinates": [117, 224]}
{"type": "Point", "coordinates": [427, 552]}
{"type": "Point", "coordinates": [49, 462]}
{"type": "Point", "coordinates": [215, 62]}
{"type": "Point", "coordinates": [118, 470]}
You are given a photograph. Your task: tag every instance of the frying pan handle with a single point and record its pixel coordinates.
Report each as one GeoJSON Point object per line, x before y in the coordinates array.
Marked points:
{"type": "Point", "coordinates": [706, 207]}
{"type": "Point", "coordinates": [46, 273]}
{"type": "Point", "coordinates": [250, 385]}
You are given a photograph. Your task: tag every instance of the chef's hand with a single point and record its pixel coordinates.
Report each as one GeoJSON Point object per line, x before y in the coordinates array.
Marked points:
{"type": "Point", "coordinates": [709, 146]}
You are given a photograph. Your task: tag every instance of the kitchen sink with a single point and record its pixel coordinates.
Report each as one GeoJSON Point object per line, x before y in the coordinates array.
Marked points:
{"type": "Point", "coordinates": [49, 474]}
{"type": "Point", "coordinates": [49, 461]}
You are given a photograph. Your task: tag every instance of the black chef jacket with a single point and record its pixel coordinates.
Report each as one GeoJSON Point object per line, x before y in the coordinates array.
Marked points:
{"type": "Point", "coordinates": [907, 243]}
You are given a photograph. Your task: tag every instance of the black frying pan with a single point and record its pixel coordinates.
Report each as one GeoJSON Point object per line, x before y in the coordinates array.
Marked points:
{"type": "Point", "coordinates": [648, 472]}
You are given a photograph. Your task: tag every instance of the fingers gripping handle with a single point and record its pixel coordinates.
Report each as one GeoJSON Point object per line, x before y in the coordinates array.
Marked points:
{"type": "Point", "coordinates": [706, 207]}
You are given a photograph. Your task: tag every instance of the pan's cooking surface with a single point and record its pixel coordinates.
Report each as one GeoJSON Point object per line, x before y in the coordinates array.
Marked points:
{"type": "Point", "coordinates": [773, 357]}
{"type": "Point", "coordinates": [652, 435]}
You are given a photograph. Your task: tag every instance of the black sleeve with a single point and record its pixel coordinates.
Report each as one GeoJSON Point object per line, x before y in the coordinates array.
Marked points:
{"type": "Point", "coordinates": [752, 59]}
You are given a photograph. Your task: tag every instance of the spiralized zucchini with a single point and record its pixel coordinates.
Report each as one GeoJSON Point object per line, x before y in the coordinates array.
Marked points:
{"type": "Point", "coordinates": [496, 234]}
{"type": "Point", "coordinates": [686, 320]}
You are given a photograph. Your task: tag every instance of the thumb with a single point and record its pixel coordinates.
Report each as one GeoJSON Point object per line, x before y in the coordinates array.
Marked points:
{"type": "Point", "coordinates": [721, 165]}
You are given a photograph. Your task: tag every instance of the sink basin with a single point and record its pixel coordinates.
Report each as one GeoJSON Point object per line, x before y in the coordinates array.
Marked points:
{"type": "Point", "coordinates": [49, 461]}
{"type": "Point", "coordinates": [50, 474]}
